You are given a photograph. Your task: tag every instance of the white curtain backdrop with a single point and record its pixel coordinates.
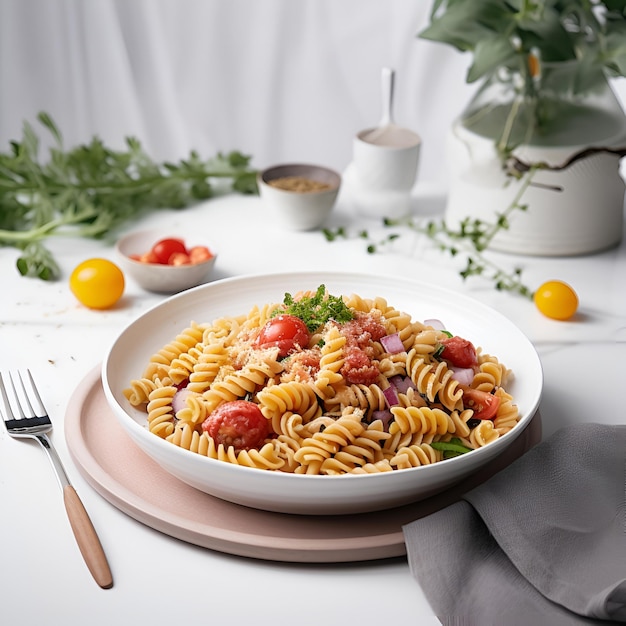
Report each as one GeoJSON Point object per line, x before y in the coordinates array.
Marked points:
{"type": "Point", "coordinates": [281, 80]}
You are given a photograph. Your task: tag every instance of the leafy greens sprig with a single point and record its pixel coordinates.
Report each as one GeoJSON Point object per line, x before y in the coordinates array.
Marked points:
{"type": "Point", "coordinates": [317, 309]}
{"type": "Point", "coordinates": [471, 238]}
{"type": "Point", "coordinates": [90, 190]}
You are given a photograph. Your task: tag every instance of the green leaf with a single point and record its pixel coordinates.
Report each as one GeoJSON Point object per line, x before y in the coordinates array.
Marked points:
{"type": "Point", "coordinates": [451, 448]}
{"type": "Point", "coordinates": [549, 35]}
{"type": "Point", "coordinates": [614, 54]}
{"type": "Point", "coordinates": [465, 24]}
{"type": "Point", "coordinates": [37, 262]}
{"type": "Point", "coordinates": [246, 183]}
{"type": "Point", "coordinates": [47, 121]}
{"type": "Point", "coordinates": [491, 53]}
{"type": "Point", "coordinates": [555, 30]}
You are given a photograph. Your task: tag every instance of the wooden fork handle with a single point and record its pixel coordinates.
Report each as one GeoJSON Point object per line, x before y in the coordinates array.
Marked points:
{"type": "Point", "coordinates": [87, 538]}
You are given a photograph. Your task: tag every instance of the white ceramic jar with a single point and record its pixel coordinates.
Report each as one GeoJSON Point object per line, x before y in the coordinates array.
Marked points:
{"type": "Point", "coordinates": [577, 210]}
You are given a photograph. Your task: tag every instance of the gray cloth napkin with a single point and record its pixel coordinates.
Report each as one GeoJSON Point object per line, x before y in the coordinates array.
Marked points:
{"type": "Point", "coordinates": [543, 542]}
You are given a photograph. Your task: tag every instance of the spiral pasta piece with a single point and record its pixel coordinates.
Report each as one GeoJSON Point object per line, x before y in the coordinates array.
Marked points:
{"type": "Point", "coordinates": [236, 385]}
{"type": "Point", "coordinates": [259, 316]}
{"type": "Point", "coordinates": [401, 323]}
{"type": "Point", "coordinates": [489, 376]}
{"type": "Point", "coordinates": [160, 362]}
{"type": "Point", "coordinates": [398, 440]}
{"type": "Point", "coordinates": [290, 426]}
{"type": "Point", "coordinates": [458, 422]}
{"type": "Point", "coordinates": [139, 390]}
{"type": "Point", "coordinates": [415, 456]}
{"type": "Point", "coordinates": [358, 304]}
{"type": "Point", "coordinates": [369, 398]}
{"type": "Point", "coordinates": [285, 448]}
{"type": "Point", "coordinates": [412, 397]}
{"type": "Point", "coordinates": [373, 468]}
{"type": "Point", "coordinates": [366, 449]}
{"type": "Point", "coordinates": [160, 410]}
{"type": "Point", "coordinates": [433, 380]}
{"type": "Point", "coordinates": [483, 434]}
{"type": "Point", "coordinates": [425, 342]}
{"type": "Point", "coordinates": [208, 366]}
{"type": "Point", "coordinates": [325, 443]}
{"type": "Point", "coordinates": [507, 415]}
{"type": "Point", "coordinates": [224, 330]}
{"type": "Point", "coordinates": [182, 366]}
{"type": "Point", "coordinates": [194, 411]}
{"type": "Point", "coordinates": [392, 365]}
{"type": "Point", "coordinates": [420, 420]}
{"type": "Point", "coordinates": [331, 362]}
{"type": "Point", "coordinates": [275, 400]}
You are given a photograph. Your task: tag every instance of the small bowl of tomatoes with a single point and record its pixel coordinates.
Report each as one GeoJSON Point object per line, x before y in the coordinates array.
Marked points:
{"type": "Point", "coordinates": [164, 263]}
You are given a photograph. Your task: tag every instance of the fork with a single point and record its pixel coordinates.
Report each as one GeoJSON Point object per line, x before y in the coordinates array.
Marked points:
{"type": "Point", "coordinates": [34, 424]}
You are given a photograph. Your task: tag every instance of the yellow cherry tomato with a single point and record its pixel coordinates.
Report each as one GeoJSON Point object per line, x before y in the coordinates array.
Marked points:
{"type": "Point", "coordinates": [97, 283]}
{"type": "Point", "coordinates": [556, 299]}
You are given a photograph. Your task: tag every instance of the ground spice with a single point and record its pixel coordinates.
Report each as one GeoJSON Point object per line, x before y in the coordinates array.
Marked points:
{"type": "Point", "coordinates": [299, 184]}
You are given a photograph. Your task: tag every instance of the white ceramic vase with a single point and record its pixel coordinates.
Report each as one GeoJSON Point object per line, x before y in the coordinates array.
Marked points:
{"type": "Point", "coordinates": [577, 210]}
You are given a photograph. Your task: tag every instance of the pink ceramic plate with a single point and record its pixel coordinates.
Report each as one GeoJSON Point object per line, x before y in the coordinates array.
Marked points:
{"type": "Point", "coordinates": [130, 480]}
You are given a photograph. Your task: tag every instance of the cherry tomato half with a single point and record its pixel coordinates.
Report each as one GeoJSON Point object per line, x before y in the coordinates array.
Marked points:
{"type": "Point", "coordinates": [97, 283]}
{"type": "Point", "coordinates": [239, 424]}
{"type": "Point", "coordinates": [164, 250]}
{"type": "Point", "coordinates": [285, 332]}
{"type": "Point", "coordinates": [179, 258]}
{"type": "Point", "coordinates": [485, 405]}
{"type": "Point", "coordinates": [460, 352]}
{"type": "Point", "coordinates": [199, 254]}
{"type": "Point", "coordinates": [556, 299]}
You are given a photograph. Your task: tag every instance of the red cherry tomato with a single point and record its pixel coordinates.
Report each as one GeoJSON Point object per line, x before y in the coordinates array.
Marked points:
{"type": "Point", "coordinates": [199, 254]}
{"type": "Point", "coordinates": [164, 249]}
{"type": "Point", "coordinates": [460, 352]}
{"type": "Point", "coordinates": [239, 424]}
{"type": "Point", "coordinates": [485, 405]}
{"type": "Point", "coordinates": [285, 332]}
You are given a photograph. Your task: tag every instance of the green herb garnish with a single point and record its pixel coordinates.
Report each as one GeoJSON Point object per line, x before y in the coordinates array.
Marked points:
{"type": "Point", "coordinates": [451, 448]}
{"type": "Point", "coordinates": [90, 190]}
{"type": "Point", "coordinates": [316, 310]}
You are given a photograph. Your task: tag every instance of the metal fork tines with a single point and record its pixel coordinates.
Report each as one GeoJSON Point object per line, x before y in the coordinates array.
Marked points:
{"type": "Point", "coordinates": [22, 420]}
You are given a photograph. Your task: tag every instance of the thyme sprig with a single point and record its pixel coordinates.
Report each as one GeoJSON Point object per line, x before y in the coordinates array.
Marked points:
{"type": "Point", "coordinates": [455, 243]}
{"type": "Point", "coordinates": [471, 238]}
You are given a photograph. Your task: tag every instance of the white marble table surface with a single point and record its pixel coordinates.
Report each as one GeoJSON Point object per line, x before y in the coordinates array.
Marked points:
{"type": "Point", "coordinates": [160, 580]}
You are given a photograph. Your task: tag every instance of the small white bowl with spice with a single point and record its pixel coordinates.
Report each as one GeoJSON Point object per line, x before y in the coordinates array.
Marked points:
{"type": "Point", "coordinates": [300, 195]}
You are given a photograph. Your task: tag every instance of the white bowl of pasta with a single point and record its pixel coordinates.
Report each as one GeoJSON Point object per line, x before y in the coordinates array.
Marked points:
{"type": "Point", "coordinates": [388, 391]}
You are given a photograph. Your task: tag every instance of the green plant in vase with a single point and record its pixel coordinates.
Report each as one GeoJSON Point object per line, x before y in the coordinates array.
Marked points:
{"type": "Point", "coordinates": [544, 105]}
{"type": "Point", "coordinates": [535, 58]}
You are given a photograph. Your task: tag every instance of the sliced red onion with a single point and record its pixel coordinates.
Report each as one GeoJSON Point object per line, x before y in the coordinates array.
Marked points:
{"type": "Point", "coordinates": [178, 401]}
{"type": "Point", "coordinates": [391, 395]}
{"type": "Point", "coordinates": [384, 416]}
{"type": "Point", "coordinates": [435, 323]}
{"type": "Point", "coordinates": [402, 383]}
{"type": "Point", "coordinates": [464, 375]}
{"type": "Point", "coordinates": [392, 343]}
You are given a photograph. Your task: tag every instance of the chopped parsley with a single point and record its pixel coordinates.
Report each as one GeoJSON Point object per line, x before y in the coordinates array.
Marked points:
{"type": "Point", "coordinates": [316, 310]}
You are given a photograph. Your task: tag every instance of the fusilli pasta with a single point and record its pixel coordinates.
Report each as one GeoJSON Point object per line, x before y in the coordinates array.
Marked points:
{"type": "Point", "coordinates": [340, 401]}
